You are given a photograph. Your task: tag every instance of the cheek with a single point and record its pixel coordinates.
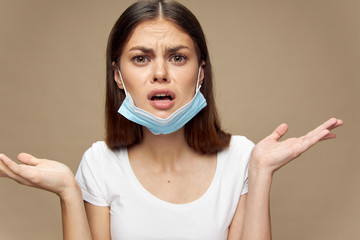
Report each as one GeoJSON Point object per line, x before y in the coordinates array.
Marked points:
{"type": "Point", "coordinates": [189, 89]}
{"type": "Point", "coordinates": [135, 79]}
{"type": "Point", "coordinates": [135, 84]}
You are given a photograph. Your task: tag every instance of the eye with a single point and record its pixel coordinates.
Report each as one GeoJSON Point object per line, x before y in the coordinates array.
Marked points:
{"type": "Point", "coordinates": [140, 60]}
{"type": "Point", "coordinates": [178, 59]}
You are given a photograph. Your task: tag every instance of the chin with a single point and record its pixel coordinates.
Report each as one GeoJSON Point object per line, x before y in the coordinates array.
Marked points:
{"type": "Point", "coordinates": [162, 114]}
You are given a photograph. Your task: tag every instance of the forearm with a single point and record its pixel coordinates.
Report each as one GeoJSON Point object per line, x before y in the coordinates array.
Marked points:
{"type": "Point", "coordinates": [74, 220]}
{"type": "Point", "coordinates": [257, 214]}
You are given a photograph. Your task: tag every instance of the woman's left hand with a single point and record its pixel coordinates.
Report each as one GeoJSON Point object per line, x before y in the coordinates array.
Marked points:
{"type": "Point", "coordinates": [270, 154]}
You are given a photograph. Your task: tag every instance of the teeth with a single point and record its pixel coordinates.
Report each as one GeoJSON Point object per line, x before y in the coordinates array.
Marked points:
{"type": "Point", "coordinates": [161, 97]}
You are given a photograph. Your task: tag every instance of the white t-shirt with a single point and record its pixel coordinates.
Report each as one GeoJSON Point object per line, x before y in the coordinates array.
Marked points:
{"type": "Point", "coordinates": [107, 179]}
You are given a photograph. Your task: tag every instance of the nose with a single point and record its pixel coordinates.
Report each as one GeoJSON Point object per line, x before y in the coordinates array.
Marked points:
{"type": "Point", "coordinates": [160, 73]}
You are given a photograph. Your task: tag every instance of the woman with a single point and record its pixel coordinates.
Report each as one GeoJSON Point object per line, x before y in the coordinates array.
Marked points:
{"type": "Point", "coordinates": [166, 170]}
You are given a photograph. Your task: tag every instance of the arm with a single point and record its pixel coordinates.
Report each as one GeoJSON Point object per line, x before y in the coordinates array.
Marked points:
{"type": "Point", "coordinates": [99, 221]}
{"type": "Point", "coordinates": [54, 177]}
{"type": "Point", "coordinates": [236, 226]}
{"type": "Point", "coordinates": [267, 157]}
{"type": "Point", "coordinates": [253, 212]}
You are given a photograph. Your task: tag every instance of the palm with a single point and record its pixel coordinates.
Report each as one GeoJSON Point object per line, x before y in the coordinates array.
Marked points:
{"type": "Point", "coordinates": [272, 154]}
{"type": "Point", "coordinates": [40, 173]}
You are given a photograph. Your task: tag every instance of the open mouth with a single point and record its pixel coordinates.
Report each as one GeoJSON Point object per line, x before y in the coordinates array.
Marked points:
{"type": "Point", "coordinates": [161, 97]}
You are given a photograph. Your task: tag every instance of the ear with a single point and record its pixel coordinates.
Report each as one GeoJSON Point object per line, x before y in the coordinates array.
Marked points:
{"type": "Point", "coordinates": [117, 76]}
{"type": "Point", "coordinates": [202, 72]}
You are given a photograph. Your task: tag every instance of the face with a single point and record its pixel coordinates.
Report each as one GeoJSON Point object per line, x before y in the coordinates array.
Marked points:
{"type": "Point", "coordinates": [159, 67]}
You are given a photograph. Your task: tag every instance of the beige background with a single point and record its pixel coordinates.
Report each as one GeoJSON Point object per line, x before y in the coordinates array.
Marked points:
{"type": "Point", "coordinates": [293, 61]}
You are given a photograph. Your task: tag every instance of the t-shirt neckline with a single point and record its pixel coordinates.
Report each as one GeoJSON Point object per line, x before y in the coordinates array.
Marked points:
{"type": "Point", "coordinates": [141, 189]}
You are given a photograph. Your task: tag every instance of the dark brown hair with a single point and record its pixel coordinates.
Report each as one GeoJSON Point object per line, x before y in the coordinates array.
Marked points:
{"type": "Point", "coordinates": [203, 132]}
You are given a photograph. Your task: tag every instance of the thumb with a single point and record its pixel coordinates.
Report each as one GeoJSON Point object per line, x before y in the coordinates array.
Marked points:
{"type": "Point", "coordinates": [28, 159]}
{"type": "Point", "coordinates": [279, 131]}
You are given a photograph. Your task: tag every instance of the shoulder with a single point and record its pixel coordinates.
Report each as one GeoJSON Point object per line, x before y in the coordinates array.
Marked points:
{"type": "Point", "coordinates": [99, 162]}
{"type": "Point", "coordinates": [97, 147]}
{"type": "Point", "coordinates": [99, 156]}
{"type": "Point", "coordinates": [238, 153]}
{"type": "Point", "coordinates": [234, 162]}
{"type": "Point", "coordinates": [240, 144]}
{"type": "Point", "coordinates": [92, 173]}
{"type": "Point", "coordinates": [237, 139]}
{"type": "Point", "coordinates": [99, 150]}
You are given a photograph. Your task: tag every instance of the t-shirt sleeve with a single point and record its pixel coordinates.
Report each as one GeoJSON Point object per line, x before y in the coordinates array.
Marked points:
{"type": "Point", "coordinates": [249, 145]}
{"type": "Point", "coordinates": [245, 188]}
{"type": "Point", "coordinates": [90, 178]}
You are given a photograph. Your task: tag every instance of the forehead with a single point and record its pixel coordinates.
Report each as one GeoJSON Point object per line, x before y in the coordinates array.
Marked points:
{"type": "Point", "coordinates": [159, 32]}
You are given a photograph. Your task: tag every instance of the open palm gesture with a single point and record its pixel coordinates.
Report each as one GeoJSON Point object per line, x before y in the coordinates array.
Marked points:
{"type": "Point", "coordinates": [270, 154]}
{"type": "Point", "coordinates": [39, 173]}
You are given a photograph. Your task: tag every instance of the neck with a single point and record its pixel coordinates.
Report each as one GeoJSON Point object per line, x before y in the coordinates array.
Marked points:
{"type": "Point", "coordinates": [165, 151]}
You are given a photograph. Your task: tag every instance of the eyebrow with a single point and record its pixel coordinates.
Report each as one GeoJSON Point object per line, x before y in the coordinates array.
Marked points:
{"type": "Point", "coordinates": [150, 50]}
{"type": "Point", "coordinates": [142, 49]}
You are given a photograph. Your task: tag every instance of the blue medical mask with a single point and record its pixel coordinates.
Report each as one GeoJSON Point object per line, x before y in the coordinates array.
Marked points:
{"type": "Point", "coordinates": [160, 125]}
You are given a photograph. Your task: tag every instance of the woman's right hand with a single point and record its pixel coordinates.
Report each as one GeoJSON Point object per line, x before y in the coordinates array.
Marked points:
{"type": "Point", "coordinates": [39, 173]}
{"type": "Point", "coordinates": [54, 177]}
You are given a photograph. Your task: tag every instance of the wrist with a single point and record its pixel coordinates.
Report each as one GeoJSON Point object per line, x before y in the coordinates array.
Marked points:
{"type": "Point", "coordinates": [260, 169]}
{"type": "Point", "coordinates": [259, 181]}
{"type": "Point", "coordinates": [260, 174]}
{"type": "Point", "coordinates": [71, 192]}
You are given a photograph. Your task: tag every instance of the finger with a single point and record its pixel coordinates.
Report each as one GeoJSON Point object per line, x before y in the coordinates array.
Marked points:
{"type": "Point", "coordinates": [332, 123]}
{"type": "Point", "coordinates": [24, 174]}
{"type": "Point", "coordinates": [279, 131]}
{"type": "Point", "coordinates": [328, 125]}
{"type": "Point", "coordinates": [7, 170]}
{"type": "Point", "coordinates": [338, 123]}
{"type": "Point", "coordinates": [2, 167]}
{"type": "Point", "coordinates": [28, 159]}
{"type": "Point", "coordinates": [331, 135]}
{"type": "Point", "coordinates": [10, 164]}
{"type": "Point", "coordinates": [328, 136]}
{"type": "Point", "coordinates": [3, 160]}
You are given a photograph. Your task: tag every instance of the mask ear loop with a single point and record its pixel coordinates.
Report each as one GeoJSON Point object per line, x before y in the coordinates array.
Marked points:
{"type": "Point", "coordinates": [198, 80]}
{"type": "Point", "coordinates": [122, 81]}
